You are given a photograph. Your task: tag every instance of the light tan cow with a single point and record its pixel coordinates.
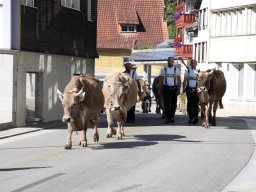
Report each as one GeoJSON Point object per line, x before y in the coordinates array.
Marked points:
{"type": "Point", "coordinates": [82, 101]}
{"type": "Point", "coordinates": [120, 92]}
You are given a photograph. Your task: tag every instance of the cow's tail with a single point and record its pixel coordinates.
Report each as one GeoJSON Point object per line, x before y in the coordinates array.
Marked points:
{"type": "Point", "coordinates": [221, 104]}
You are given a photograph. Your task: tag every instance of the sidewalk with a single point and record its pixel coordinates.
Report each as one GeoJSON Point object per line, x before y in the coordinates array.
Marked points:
{"type": "Point", "coordinates": [28, 129]}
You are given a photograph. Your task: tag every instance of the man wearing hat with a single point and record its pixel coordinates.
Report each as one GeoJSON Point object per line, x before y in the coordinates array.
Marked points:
{"type": "Point", "coordinates": [128, 69]}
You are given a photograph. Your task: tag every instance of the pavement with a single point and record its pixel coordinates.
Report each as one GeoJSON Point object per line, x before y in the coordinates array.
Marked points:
{"type": "Point", "coordinates": [243, 182]}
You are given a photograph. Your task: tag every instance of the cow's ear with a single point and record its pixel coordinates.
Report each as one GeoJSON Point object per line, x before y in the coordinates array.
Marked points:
{"type": "Point", "coordinates": [81, 96]}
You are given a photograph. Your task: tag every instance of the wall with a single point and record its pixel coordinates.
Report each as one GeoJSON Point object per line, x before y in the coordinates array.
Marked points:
{"type": "Point", "coordinates": [110, 62]}
{"type": "Point", "coordinates": [55, 71]}
{"type": "Point", "coordinates": [5, 25]}
{"type": "Point", "coordinates": [6, 87]}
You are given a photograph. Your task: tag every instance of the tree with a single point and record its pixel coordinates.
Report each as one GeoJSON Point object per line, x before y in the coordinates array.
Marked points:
{"type": "Point", "coordinates": [170, 8]}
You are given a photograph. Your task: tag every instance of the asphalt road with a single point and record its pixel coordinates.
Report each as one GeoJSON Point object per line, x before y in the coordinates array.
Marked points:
{"type": "Point", "coordinates": [152, 157]}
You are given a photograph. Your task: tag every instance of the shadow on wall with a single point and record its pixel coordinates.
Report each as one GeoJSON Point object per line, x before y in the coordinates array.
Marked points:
{"type": "Point", "coordinates": [45, 74]}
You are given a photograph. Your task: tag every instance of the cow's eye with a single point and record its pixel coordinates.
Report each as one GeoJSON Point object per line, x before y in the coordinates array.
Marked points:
{"type": "Point", "coordinates": [74, 105]}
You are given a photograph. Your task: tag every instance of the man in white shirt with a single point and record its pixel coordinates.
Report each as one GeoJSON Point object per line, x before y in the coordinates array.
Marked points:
{"type": "Point", "coordinates": [189, 86]}
{"type": "Point", "coordinates": [128, 69]}
{"type": "Point", "coordinates": [171, 89]}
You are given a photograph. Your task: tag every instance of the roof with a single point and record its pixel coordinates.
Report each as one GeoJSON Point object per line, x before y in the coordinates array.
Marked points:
{"type": "Point", "coordinates": [152, 55]}
{"type": "Point", "coordinates": [148, 14]}
{"type": "Point", "coordinates": [165, 44]}
{"type": "Point", "coordinates": [127, 16]}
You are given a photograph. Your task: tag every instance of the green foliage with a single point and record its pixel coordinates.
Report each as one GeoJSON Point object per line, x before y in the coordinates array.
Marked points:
{"type": "Point", "coordinates": [170, 8]}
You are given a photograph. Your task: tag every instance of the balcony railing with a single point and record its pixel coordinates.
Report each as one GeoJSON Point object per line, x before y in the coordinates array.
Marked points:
{"type": "Point", "coordinates": [184, 51]}
{"type": "Point", "coordinates": [185, 19]}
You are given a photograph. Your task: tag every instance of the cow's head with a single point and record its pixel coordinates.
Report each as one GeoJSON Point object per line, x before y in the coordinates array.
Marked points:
{"type": "Point", "coordinates": [72, 104]}
{"type": "Point", "coordinates": [117, 92]}
{"type": "Point", "coordinates": [203, 86]}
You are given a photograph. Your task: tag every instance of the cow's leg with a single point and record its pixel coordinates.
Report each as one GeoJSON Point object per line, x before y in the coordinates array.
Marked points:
{"type": "Point", "coordinates": [206, 117]}
{"type": "Point", "coordinates": [210, 113]}
{"type": "Point", "coordinates": [203, 115]}
{"type": "Point", "coordinates": [215, 106]}
{"type": "Point", "coordinates": [111, 130]}
{"type": "Point", "coordinates": [83, 139]}
{"type": "Point", "coordinates": [94, 123]}
{"type": "Point", "coordinates": [69, 137]}
{"type": "Point", "coordinates": [119, 133]}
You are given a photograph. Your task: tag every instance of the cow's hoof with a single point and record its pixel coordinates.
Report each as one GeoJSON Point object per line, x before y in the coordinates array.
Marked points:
{"type": "Point", "coordinates": [114, 132]}
{"type": "Point", "coordinates": [84, 145]}
{"type": "Point", "coordinates": [68, 146]}
{"type": "Point", "coordinates": [96, 138]}
{"type": "Point", "coordinates": [119, 137]}
{"type": "Point", "coordinates": [109, 135]}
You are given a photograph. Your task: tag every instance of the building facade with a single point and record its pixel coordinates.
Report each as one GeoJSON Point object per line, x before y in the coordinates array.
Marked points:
{"type": "Point", "coordinates": [42, 44]}
{"type": "Point", "coordinates": [226, 39]}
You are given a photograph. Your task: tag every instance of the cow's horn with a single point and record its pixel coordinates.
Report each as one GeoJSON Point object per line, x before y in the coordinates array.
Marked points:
{"type": "Point", "coordinates": [59, 93]}
{"type": "Point", "coordinates": [80, 92]}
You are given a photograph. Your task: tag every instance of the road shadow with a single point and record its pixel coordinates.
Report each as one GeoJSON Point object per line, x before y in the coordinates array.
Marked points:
{"type": "Point", "coordinates": [22, 168]}
{"type": "Point", "coordinates": [123, 145]}
{"type": "Point", "coordinates": [154, 119]}
{"type": "Point", "coordinates": [163, 137]}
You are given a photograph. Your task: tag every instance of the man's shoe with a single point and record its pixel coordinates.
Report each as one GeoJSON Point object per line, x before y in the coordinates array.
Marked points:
{"type": "Point", "coordinates": [167, 121]}
{"type": "Point", "coordinates": [195, 120]}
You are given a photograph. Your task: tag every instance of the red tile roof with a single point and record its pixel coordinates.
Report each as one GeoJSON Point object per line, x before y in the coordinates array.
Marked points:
{"type": "Point", "coordinates": [150, 31]}
{"type": "Point", "coordinates": [127, 16]}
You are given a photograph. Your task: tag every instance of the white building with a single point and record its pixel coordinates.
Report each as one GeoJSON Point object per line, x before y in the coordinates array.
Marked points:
{"type": "Point", "coordinates": [227, 40]}
{"type": "Point", "coordinates": [38, 54]}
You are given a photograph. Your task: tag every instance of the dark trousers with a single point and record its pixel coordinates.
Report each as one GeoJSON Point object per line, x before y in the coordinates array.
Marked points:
{"type": "Point", "coordinates": [192, 103]}
{"type": "Point", "coordinates": [131, 114]}
{"type": "Point", "coordinates": [170, 101]}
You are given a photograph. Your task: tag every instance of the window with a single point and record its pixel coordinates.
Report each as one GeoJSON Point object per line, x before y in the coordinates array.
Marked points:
{"type": "Point", "coordinates": [189, 5]}
{"type": "Point", "coordinates": [233, 23]}
{"type": "Point", "coordinates": [217, 24]}
{"type": "Point", "coordinates": [228, 31]}
{"type": "Point", "coordinates": [199, 19]}
{"type": "Point", "coordinates": [253, 21]}
{"type": "Point", "coordinates": [203, 52]}
{"type": "Point", "coordinates": [195, 51]}
{"type": "Point", "coordinates": [28, 2]}
{"type": "Point", "coordinates": [223, 24]}
{"type": "Point", "coordinates": [89, 10]}
{"type": "Point", "coordinates": [199, 53]}
{"type": "Point", "coordinates": [128, 28]}
{"type": "Point", "coordinates": [204, 13]}
{"type": "Point", "coordinates": [239, 22]}
{"type": "Point", "coordinates": [240, 80]}
{"type": "Point", "coordinates": [206, 18]}
{"type": "Point", "coordinates": [74, 4]}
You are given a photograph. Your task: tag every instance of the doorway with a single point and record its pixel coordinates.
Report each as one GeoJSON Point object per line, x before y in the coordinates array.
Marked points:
{"type": "Point", "coordinates": [33, 97]}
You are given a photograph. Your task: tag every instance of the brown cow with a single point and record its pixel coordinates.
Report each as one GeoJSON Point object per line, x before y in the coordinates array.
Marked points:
{"type": "Point", "coordinates": [210, 89]}
{"type": "Point", "coordinates": [158, 84]}
{"type": "Point", "coordinates": [82, 101]}
{"type": "Point", "coordinates": [120, 92]}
